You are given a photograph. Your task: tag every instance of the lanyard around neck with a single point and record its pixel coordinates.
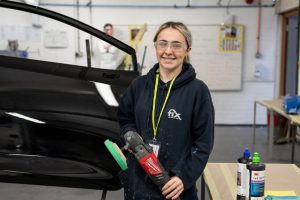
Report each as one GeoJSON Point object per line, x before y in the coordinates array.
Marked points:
{"type": "Point", "coordinates": [154, 103]}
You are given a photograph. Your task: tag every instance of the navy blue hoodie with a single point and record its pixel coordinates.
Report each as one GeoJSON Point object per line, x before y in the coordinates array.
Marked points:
{"type": "Point", "coordinates": [185, 131]}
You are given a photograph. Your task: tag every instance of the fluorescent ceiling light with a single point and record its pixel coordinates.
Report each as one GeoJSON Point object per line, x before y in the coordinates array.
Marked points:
{"type": "Point", "coordinates": [25, 117]}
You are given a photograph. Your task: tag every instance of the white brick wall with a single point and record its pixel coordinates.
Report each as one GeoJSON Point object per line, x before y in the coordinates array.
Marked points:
{"type": "Point", "coordinates": [237, 107]}
{"type": "Point", "coordinates": [232, 107]}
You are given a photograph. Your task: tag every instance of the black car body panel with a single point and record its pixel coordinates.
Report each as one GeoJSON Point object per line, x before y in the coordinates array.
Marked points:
{"type": "Point", "coordinates": [66, 147]}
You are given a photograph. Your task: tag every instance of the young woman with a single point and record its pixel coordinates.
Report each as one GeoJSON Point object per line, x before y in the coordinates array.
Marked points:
{"type": "Point", "coordinates": [173, 112]}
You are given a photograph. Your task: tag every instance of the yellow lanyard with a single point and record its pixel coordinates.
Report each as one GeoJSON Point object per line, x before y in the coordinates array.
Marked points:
{"type": "Point", "coordinates": [154, 103]}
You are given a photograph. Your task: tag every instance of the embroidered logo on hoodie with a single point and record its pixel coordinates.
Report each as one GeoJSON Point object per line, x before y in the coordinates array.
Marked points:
{"type": "Point", "coordinates": [172, 114]}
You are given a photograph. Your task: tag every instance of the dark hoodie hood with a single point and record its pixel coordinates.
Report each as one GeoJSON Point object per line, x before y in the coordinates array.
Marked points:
{"type": "Point", "coordinates": [187, 74]}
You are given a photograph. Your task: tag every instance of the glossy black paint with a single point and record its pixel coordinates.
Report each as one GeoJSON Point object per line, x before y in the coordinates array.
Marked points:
{"type": "Point", "coordinates": [67, 150]}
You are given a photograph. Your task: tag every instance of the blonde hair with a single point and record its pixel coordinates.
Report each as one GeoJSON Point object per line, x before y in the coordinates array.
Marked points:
{"type": "Point", "coordinates": [182, 28]}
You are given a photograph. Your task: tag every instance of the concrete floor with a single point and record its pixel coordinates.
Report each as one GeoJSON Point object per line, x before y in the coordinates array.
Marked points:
{"type": "Point", "coordinates": [230, 142]}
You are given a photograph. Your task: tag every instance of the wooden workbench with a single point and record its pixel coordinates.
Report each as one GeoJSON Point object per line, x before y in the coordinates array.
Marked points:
{"type": "Point", "coordinates": [220, 179]}
{"type": "Point", "coordinates": [276, 106]}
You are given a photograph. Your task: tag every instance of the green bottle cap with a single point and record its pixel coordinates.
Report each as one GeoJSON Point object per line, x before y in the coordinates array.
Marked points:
{"type": "Point", "coordinates": [256, 158]}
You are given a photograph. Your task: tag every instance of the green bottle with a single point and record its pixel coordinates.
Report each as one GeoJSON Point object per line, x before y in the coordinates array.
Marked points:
{"type": "Point", "coordinates": [256, 178]}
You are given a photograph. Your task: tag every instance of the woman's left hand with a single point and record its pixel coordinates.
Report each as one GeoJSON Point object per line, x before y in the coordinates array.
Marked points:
{"type": "Point", "coordinates": [173, 188]}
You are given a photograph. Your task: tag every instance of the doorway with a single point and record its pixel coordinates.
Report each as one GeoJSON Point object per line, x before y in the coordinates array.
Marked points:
{"type": "Point", "coordinates": [289, 57]}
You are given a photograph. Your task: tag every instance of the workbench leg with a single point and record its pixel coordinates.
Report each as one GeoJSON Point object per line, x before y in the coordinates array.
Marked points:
{"type": "Point", "coordinates": [293, 135]}
{"type": "Point", "coordinates": [254, 126]}
{"type": "Point", "coordinates": [202, 187]}
{"type": "Point", "coordinates": [271, 134]}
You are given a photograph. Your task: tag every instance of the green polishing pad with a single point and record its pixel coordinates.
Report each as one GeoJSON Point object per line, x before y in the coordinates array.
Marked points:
{"type": "Point", "coordinates": [116, 152]}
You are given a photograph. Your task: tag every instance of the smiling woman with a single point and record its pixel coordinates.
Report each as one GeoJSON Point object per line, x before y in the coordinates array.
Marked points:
{"type": "Point", "coordinates": [180, 39]}
{"type": "Point", "coordinates": [173, 112]}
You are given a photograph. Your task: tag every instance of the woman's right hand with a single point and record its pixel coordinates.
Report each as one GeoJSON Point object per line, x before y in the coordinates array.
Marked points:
{"type": "Point", "coordinates": [173, 188]}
